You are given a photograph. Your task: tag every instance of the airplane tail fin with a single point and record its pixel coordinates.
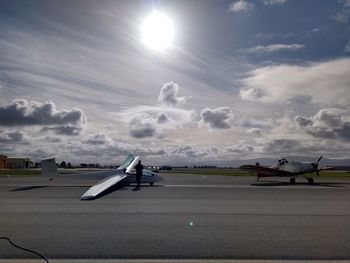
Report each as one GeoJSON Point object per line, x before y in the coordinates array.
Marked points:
{"type": "Point", "coordinates": [49, 168]}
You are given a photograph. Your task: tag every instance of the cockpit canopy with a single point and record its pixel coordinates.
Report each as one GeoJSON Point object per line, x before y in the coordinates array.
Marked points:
{"type": "Point", "coordinates": [147, 173]}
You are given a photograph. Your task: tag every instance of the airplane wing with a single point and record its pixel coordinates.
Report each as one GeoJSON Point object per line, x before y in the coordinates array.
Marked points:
{"type": "Point", "coordinates": [102, 186]}
{"type": "Point", "coordinates": [265, 170]}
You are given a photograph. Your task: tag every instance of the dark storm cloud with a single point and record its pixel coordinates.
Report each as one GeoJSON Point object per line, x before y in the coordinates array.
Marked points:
{"type": "Point", "coordinates": [218, 118]}
{"type": "Point", "coordinates": [22, 112]}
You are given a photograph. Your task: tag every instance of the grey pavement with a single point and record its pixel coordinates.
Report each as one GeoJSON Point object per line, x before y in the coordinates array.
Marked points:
{"type": "Point", "coordinates": [185, 217]}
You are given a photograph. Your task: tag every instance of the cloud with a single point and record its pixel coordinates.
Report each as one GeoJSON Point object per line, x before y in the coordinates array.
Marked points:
{"type": "Point", "coordinates": [343, 15]}
{"type": "Point", "coordinates": [281, 146]}
{"type": "Point", "coordinates": [22, 112]}
{"type": "Point", "coordinates": [162, 117]}
{"type": "Point", "coordinates": [333, 123]}
{"type": "Point", "coordinates": [168, 95]}
{"type": "Point", "coordinates": [52, 139]}
{"type": "Point", "coordinates": [11, 137]}
{"type": "Point", "coordinates": [300, 99]}
{"type": "Point", "coordinates": [272, 48]}
{"type": "Point", "coordinates": [189, 152]}
{"type": "Point", "coordinates": [141, 128]}
{"type": "Point", "coordinates": [274, 2]}
{"type": "Point", "coordinates": [347, 47]}
{"type": "Point", "coordinates": [241, 6]}
{"type": "Point", "coordinates": [302, 121]}
{"type": "Point", "coordinates": [64, 130]}
{"type": "Point", "coordinates": [219, 118]}
{"type": "Point", "coordinates": [326, 83]}
{"type": "Point", "coordinates": [252, 94]}
{"type": "Point", "coordinates": [255, 131]}
{"type": "Point", "coordinates": [239, 149]}
{"type": "Point", "coordinates": [152, 121]}
{"type": "Point", "coordinates": [97, 139]}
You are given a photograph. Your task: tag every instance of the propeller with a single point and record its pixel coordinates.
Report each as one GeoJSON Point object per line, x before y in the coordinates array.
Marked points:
{"type": "Point", "coordinates": [315, 165]}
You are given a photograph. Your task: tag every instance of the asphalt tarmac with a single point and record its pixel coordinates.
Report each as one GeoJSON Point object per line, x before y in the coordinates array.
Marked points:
{"type": "Point", "coordinates": [183, 217]}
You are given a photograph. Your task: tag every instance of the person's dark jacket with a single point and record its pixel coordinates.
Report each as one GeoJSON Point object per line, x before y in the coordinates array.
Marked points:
{"type": "Point", "coordinates": [139, 168]}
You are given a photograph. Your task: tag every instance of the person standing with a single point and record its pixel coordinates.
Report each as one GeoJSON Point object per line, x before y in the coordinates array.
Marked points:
{"type": "Point", "coordinates": [138, 168]}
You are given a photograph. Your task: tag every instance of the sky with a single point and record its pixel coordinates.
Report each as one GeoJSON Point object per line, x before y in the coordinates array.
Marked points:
{"type": "Point", "coordinates": [241, 80]}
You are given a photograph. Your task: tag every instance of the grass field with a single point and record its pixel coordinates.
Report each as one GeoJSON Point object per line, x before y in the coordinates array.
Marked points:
{"type": "Point", "coordinates": [19, 172]}
{"type": "Point", "coordinates": [199, 171]}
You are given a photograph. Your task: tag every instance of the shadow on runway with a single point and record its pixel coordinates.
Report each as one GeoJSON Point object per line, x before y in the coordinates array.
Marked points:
{"type": "Point", "coordinates": [279, 183]}
{"type": "Point", "coordinates": [33, 187]}
{"type": "Point", "coordinates": [28, 188]}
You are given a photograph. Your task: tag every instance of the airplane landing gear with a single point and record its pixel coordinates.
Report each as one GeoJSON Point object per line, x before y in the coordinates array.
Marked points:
{"type": "Point", "coordinates": [292, 180]}
{"type": "Point", "coordinates": [310, 180]}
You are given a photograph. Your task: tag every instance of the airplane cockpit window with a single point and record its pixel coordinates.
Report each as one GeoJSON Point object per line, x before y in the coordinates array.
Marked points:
{"type": "Point", "coordinates": [127, 162]}
{"type": "Point", "coordinates": [147, 173]}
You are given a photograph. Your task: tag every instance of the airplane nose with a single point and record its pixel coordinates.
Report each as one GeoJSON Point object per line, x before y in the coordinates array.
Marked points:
{"type": "Point", "coordinates": [160, 178]}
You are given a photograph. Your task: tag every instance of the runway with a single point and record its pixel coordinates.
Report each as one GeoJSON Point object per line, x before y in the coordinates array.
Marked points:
{"type": "Point", "coordinates": [184, 217]}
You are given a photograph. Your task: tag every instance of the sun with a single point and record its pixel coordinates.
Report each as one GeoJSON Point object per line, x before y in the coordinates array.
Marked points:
{"type": "Point", "coordinates": [157, 31]}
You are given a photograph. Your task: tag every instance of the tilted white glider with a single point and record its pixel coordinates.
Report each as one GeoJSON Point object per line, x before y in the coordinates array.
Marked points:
{"type": "Point", "coordinates": [49, 170]}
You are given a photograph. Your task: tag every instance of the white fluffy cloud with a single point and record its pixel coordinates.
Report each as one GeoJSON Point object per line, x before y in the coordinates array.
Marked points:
{"type": "Point", "coordinates": [324, 82]}
{"type": "Point", "coordinates": [261, 49]}
{"type": "Point", "coordinates": [219, 118]}
{"type": "Point", "coordinates": [327, 123]}
{"type": "Point", "coordinates": [241, 6]}
{"type": "Point", "coordinates": [153, 121]}
{"type": "Point", "coordinates": [168, 95]}
{"type": "Point", "coordinates": [143, 126]}
{"type": "Point", "coordinates": [274, 2]}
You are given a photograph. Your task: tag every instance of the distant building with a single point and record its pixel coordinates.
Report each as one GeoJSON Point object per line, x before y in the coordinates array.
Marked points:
{"type": "Point", "coordinates": [3, 161]}
{"type": "Point", "coordinates": [19, 163]}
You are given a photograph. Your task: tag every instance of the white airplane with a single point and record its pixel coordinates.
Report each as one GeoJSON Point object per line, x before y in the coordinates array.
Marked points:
{"type": "Point", "coordinates": [285, 168]}
{"type": "Point", "coordinates": [123, 173]}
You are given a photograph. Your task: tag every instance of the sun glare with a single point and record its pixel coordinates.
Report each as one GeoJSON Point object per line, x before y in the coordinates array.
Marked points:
{"type": "Point", "coordinates": [157, 31]}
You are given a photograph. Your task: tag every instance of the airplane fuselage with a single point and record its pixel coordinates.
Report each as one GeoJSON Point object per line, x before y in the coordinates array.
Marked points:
{"type": "Point", "coordinates": [296, 167]}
